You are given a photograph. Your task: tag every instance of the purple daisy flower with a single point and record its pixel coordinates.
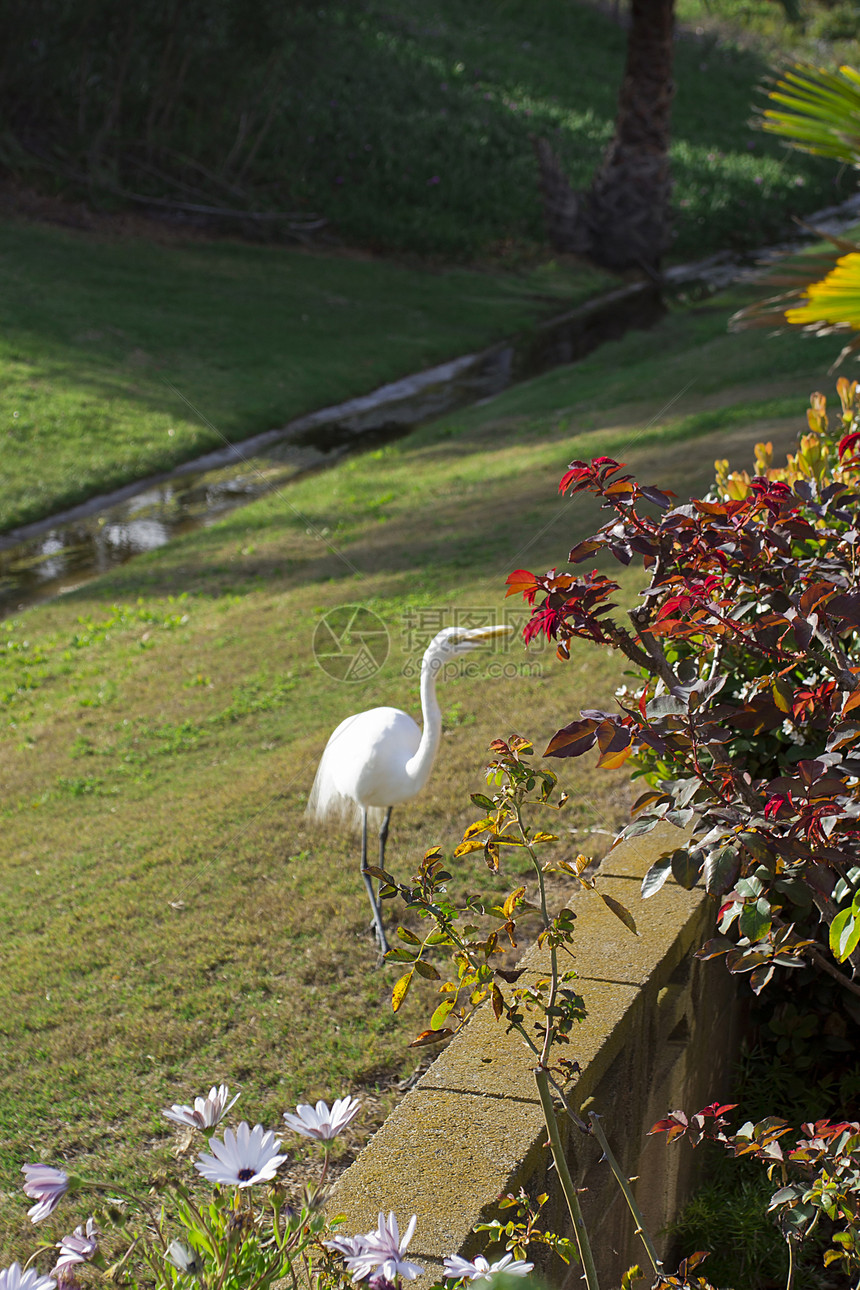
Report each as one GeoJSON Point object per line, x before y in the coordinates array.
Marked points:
{"type": "Point", "coordinates": [45, 1185]}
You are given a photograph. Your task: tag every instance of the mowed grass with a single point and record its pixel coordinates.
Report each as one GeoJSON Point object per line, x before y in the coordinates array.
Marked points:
{"type": "Point", "coordinates": [407, 124]}
{"type": "Point", "coordinates": [410, 128]}
{"type": "Point", "coordinates": [120, 357]}
{"type": "Point", "coordinates": [169, 917]}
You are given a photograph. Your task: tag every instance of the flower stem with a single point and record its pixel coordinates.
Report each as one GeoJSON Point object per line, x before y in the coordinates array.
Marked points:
{"type": "Point", "coordinates": [791, 1269]}
{"type": "Point", "coordinates": [624, 1184]}
{"type": "Point", "coordinates": [567, 1185]}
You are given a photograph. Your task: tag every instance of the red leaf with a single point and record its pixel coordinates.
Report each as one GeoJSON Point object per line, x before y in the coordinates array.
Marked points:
{"type": "Point", "coordinates": [430, 1037]}
{"type": "Point", "coordinates": [521, 580]}
{"type": "Point", "coordinates": [572, 740]}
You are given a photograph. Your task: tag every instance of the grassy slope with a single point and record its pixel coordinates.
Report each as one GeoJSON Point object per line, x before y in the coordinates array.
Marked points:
{"type": "Point", "coordinates": [168, 918]}
{"type": "Point", "coordinates": [407, 123]}
{"type": "Point", "coordinates": [95, 334]}
{"type": "Point", "coordinates": [415, 132]}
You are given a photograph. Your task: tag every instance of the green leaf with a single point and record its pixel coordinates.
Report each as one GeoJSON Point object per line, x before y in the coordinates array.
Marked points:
{"type": "Point", "coordinates": [427, 970]}
{"type": "Point", "coordinates": [756, 919]}
{"type": "Point", "coordinates": [441, 1015]}
{"type": "Point", "coordinates": [381, 874]}
{"type": "Point", "coordinates": [399, 955]}
{"type": "Point", "coordinates": [656, 875]}
{"type": "Point", "coordinates": [844, 934]}
{"type": "Point", "coordinates": [721, 868]}
{"type": "Point", "coordinates": [686, 867]}
{"type": "Point", "coordinates": [485, 803]}
{"type": "Point", "coordinates": [409, 937]}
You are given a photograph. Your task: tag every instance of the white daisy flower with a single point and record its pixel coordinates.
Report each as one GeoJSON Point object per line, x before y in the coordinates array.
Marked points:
{"type": "Point", "coordinates": [321, 1123]}
{"type": "Point", "coordinates": [183, 1257]}
{"type": "Point", "coordinates": [245, 1157]}
{"type": "Point", "coordinates": [12, 1278]}
{"type": "Point", "coordinates": [348, 1246]}
{"type": "Point", "coordinates": [206, 1111]}
{"type": "Point", "coordinates": [382, 1255]}
{"type": "Point", "coordinates": [480, 1270]}
{"type": "Point", "coordinates": [47, 1186]}
{"type": "Point", "coordinates": [77, 1248]}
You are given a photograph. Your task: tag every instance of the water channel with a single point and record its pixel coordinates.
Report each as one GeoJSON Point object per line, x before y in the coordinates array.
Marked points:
{"type": "Point", "coordinates": [62, 552]}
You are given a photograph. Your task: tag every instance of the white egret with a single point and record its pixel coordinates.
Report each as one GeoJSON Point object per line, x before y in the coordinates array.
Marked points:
{"type": "Point", "coordinates": [377, 759]}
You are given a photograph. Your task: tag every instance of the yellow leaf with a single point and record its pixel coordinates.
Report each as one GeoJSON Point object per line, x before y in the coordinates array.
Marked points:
{"type": "Point", "coordinates": [515, 896]}
{"type": "Point", "coordinates": [611, 761]}
{"type": "Point", "coordinates": [620, 911]}
{"type": "Point", "coordinates": [835, 299]}
{"type": "Point", "coordinates": [475, 844]}
{"type": "Point", "coordinates": [400, 991]}
{"type": "Point", "coordinates": [540, 836]}
{"type": "Point", "coordinates": [480, 826]}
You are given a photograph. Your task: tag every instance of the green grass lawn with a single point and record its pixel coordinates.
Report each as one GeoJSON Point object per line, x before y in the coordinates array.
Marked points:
{"type": "Point", "coordinates": [415, 133]}
{"type": "Point", "coordinates": [407, 125]}
{"type": "Point", "coordinates": [169, 918]}
{"type": "Point", "coordinates": [114, 355]}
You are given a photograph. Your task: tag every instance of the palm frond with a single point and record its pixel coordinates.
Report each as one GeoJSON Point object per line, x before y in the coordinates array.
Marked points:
{"type": "Point", "coordinates": [835, 300]}
{"type": "Point", "coordinates": [817, 111]}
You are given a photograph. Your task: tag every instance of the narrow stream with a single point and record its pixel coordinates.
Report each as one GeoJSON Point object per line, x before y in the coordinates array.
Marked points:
{"type": "Point", "coordinates": [62, 552]}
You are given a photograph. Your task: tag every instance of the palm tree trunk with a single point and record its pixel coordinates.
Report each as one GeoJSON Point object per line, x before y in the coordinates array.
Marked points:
{"type": "Point", "coordinates": [623, 220]}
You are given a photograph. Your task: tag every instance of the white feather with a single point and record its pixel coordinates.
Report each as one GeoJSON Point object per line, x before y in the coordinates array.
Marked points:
{"type": "Point", "coordinates": [364, 766]}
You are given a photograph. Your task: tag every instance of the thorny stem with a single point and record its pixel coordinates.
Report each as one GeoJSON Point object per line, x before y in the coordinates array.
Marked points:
{"type": "Point", "coordinates": [624, 1184]}
{"type": "Point", "coordinates": [567, 1184]}
{"type": "Point", "coordinates": [553, 954]}
{"type": "Point", "coordinates": [542, 1079]}
{"type": "Point", "coordinates": [655, 654]}
{"type": "Point", "coordinates": [700, 771]}
{"type": "Point", "coordinates": [573, 1115]}
{"type": "Point", "coordinates": [524, 1034]}
{"type": "Point", "coordinates": [626, 643]}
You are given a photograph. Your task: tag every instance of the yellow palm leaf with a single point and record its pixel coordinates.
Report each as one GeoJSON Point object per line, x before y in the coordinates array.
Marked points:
{"type": "Point", "coordinates": [834, 300]}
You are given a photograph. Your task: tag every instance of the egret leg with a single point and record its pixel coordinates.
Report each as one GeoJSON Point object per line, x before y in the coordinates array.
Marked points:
{"type": "Point", "coordinates": [383, 837]}
{"type": "Point", "coordinates": [374, 905]}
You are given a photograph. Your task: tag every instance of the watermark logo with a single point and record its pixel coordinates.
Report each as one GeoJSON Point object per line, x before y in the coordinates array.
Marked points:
{"type": "Point", "coordinates": [351, 643]}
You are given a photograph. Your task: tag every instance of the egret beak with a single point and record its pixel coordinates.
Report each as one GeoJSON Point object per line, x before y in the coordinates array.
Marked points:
{"type": "Point", "coordinates": [484, 635]}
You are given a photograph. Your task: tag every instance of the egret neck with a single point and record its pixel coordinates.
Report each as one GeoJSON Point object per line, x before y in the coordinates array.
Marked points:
{"type": "Point", "coordinates": [418, 767]}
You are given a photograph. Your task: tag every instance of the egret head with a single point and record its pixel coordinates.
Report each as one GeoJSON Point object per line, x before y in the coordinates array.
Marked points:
{"type": "Point", "coordinates": [452, 641]}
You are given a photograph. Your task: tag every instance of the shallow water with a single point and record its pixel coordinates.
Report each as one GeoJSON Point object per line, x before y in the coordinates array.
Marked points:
{"type": "Point", "coordinates": [62, 552]}
{"type": "Point", "coordinates": [58, 554]}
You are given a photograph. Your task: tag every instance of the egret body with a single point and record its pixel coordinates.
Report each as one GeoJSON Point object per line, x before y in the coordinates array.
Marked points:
{"type": "Point", "coordinates": [377, 759]}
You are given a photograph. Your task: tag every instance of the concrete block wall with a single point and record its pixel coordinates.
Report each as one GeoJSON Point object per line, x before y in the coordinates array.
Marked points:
{"type": "Point", "coordinates": [660, 1029]}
